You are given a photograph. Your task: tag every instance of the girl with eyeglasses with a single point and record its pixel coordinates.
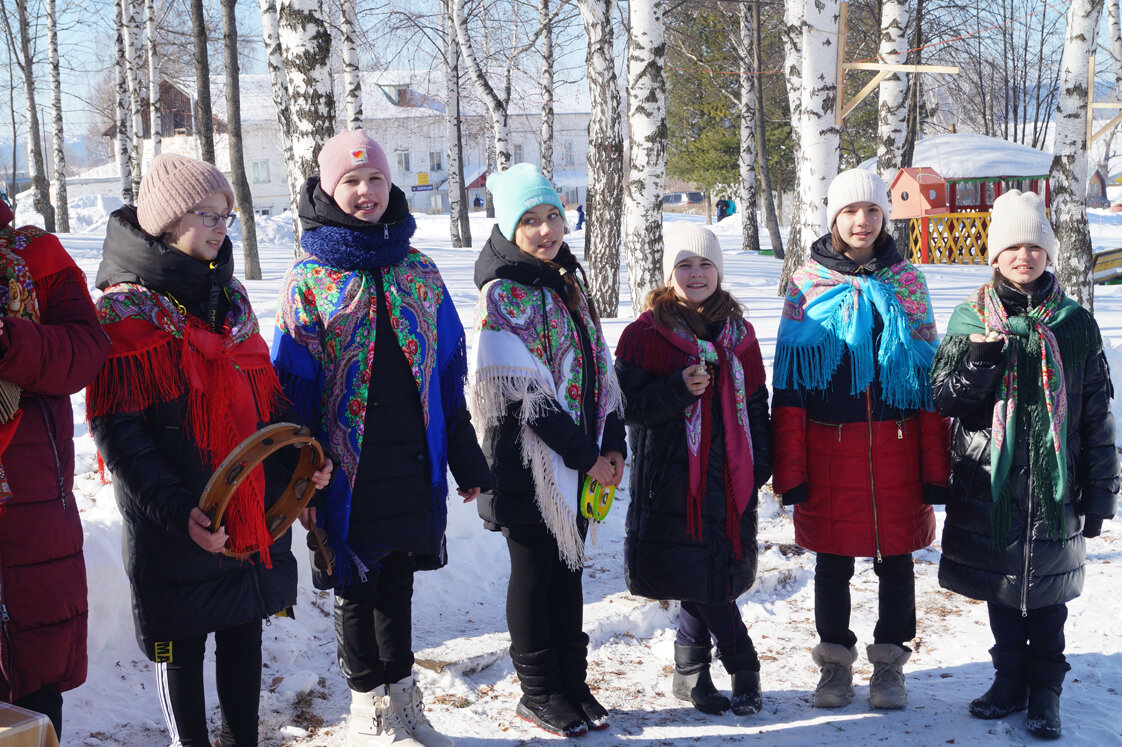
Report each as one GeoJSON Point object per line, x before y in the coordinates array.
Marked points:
{"type": "Point", "coordinates": [187, 379]}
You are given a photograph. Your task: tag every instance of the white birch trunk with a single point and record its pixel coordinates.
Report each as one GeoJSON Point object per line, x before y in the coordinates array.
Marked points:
{"type": "Point", "coordinates": [275, 62]}
{"type": "Point", "coordinates": [459, 224]}
{"type": "Point", "coordinates": [36, 164]}
{"type": "Point", "coordinates": [155, 118]}
{"type": "Point", "coordinates": [793, 21]}
{"type": "Point", "coordinates": [605, 158]}
{"type": "Point", "coordinates": [547, 88]}
{"type": "Point", "coordinates": [1116, 46]}
{"type": "Point", "coordinates": [647, 121]}
{"type": "Point", "coordinates": [62, 211]}
{"type": "Point", "coordinates": [120, 75]}
{"type": "Point", "coordinates": [133, 45]}
{"type": "Point", "coordinates": [496, 105]}
{"type": "Point", "coordinates": [1069, 165]}
{"type": "Point", "coordinates": [306, 48]}
{"type": "Point", "coordinates": [749, 227]}
{"type": "Point", "coordinates": [352, 81]}
{"type": "Point", "coordinates": [892, 111]}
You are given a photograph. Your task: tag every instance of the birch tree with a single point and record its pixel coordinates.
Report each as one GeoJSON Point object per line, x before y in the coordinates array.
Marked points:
{"type": "Point", "coordinates": [275, 62]}
{"type": "Point", "coordinates": [749, 229]}
{"type": "Point", "coordinates": [234, 139]}
{"type": "Point", "coordinates": [124, 124]}
{"type": "Point", "coordinates": [762, 169]}
{"type": "Point", "coordinates": [306, 49]}
{"type": "Point", "coordinates": [547, 89]}
{"type": "Point", "coordinates": [133, 45]}
{"type": "Point", "coordinates": [794, 13]}
{"type": "Point", "coordinates": [1115, 45]}
{"type": "Point", "coordinates": [155, 121]}
{"type": "Point", "coordinates": [62, 211]}
{"type": "Point", "coordinates": [460, 225]}
{"type": "Point", "coordinates": [605, 158]}
{"type": "Point", "coordinates": [647, 122]}
{"type": "Point", "coordinates": [352, 82]}
{"type": "Point", "coordinates": [204, 125]}
{"type": "Point", "coordinates": [1069, 165]}
{"type": "Point", "coordinates": [817, 156]}
{"type": "Point", "coordinates": [892, 111]}
{"type": "Point", "coordinates": [35, 162]}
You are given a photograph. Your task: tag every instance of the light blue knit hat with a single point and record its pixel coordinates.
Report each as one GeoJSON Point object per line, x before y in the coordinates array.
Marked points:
{"type": "Point", "coordinates": [518, 189]}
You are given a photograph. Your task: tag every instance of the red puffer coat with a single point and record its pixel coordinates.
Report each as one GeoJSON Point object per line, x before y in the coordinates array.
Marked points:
{"type": "Point", "coordinates": [43, 603]}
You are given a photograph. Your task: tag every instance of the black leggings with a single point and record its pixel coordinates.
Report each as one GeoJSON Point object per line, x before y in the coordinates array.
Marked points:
{"type": "Point", "coordinates": [544, 600]}
{"type": "Point", "coordinates": [48, 701]}
{"type": "Point", "coordinates": [896, 599]}
{"type": "Point", "coordinates": [237, 653]}
{"type": "Point", "coordinates": [1038, 633]}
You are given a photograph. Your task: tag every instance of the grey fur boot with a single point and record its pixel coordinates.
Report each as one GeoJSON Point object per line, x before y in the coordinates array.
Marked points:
{"type": "Point", "coordinates": [835, 687]}
{"type": "Point", "coordinates": [886, 686]}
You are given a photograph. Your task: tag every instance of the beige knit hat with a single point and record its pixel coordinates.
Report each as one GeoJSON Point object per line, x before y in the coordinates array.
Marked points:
{"type": "Point", "coordinates": [171, 186]}
{"type": "Point", "coordinates": [682, 239]}
{"type": "Point", "coordinates": [856, 185]}
{"type": "Point", "coordinates": [1018, 218]}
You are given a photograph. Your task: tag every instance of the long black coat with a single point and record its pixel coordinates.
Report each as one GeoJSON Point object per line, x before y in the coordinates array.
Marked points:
{"type": "Point", "coordinates": [1032, 568]}
{"type": "Point", "coordinates": [178, 589]}
{"type": "Point", "coordinates": [662, 560]}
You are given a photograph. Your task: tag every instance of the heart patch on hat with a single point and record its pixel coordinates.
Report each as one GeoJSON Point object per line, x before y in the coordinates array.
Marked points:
{"type": "Point", "coordinates": [359, 157]}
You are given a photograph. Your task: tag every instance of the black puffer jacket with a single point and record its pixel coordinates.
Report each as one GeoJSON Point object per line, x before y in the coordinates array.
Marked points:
{"type": "Point", "coordinates": [512, 502]}
{"type": "Point", "coordinates": [1033, 568]}
{"type": "Point", "coordinates": [178, 589]}
{"type": "Point", "coordinates": [662, 560]}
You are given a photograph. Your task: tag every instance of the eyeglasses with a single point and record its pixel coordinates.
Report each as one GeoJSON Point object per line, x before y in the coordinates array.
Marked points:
{"type": "Point", "coordinates": [210, 220]}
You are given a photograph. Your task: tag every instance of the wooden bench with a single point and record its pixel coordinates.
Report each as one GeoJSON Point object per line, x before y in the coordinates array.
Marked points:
{"type": "Point", "coordinates": [1107, 266]}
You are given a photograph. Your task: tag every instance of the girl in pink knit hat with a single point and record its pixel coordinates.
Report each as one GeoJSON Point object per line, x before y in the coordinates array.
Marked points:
{"type": "Point", "coordinates": [371, 350]}
{"type": "Point", "coordinates": [187, 379]}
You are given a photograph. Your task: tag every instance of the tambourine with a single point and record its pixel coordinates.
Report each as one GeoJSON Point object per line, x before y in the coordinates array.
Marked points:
{"type": "Point", "coordinates": [596, 500]}
{"type": "Point", "coordinates": [249, 455]}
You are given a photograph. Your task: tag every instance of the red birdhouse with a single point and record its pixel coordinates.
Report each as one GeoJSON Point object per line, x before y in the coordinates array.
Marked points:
{"type": "Point", "coordinates": [918, 192]}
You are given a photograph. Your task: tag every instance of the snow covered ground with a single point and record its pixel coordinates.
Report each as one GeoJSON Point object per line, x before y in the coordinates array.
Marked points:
{"type": "Point", "coordinates": [459, 628]}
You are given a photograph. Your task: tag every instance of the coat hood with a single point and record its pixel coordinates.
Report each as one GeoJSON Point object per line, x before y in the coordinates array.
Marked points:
{"type": "Point", "coordinates": [317, 209]}
{"type": "Point", "coordinates": [886, 256]}
{"type": "Point", "coordinates": [501, 258]}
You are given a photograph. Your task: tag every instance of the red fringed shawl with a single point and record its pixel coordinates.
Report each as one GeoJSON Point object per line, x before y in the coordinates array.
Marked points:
{"type": "Point", "coordinates": [739, 369]}
{"type": "Point", "coordinates": [159, 354]}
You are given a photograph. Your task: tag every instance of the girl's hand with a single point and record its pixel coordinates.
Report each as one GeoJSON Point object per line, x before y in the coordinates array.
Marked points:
{"type": "Point", "coordinates": [308, 517]}
{"type": "Point", "coordinates": [696, 379]}
{"type": "Point", "coordinates": [198, 530]}
{"type": "Point", "coordinates": [322, 476]}
{"type": "Point", "coordinates": [470, 494]}
{"type": "Point", "coordinates": [603, 472]}
{"type": "Point", "coordinates": [616, 460]}
{"type": "Point", "coordinates": [992, 336]}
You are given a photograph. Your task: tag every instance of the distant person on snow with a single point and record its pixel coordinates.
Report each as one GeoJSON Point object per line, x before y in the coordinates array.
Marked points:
{"type": "Point", "coordinates": [1033, 464]}
{"type": "Point", "coordinates": [722, 209]}
{"type": "Point", "coordinates": [50, 347]}
{"type": "Point", "coordinates": [551, 408]}
{"type": "Point", "coordinates": [187, 379]}
{"type": "Point", "coordinates": [372, 352]}
{"type": "Point", "coordinates": [697, 410]}
{"type": "Point", "coordinates": [580, 217]}
{"type": "Point", "coordinates": [858, 450]}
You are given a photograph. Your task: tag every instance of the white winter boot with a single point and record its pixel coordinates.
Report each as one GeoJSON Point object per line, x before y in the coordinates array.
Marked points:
{"type": "Point", "coordinates": [886, 688]}
{"type": "Point", "coordinates": [374, 724]}
{"type": "Point", "coordinates": [835, 687]}
{"type": "Point", "coordinates": [405, 700]}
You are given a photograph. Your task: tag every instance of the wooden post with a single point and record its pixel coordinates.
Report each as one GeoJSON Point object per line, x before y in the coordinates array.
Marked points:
{"type": "Point", "coordinates": [925, 240]}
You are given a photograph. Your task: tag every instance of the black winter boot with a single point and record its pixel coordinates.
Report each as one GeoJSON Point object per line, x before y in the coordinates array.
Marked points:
{"type": "Point", "coordinates": [744, 667]}
{"type": "Point", "coordinates": [692, 682]}
{"type": "Point", "coordinates": [572, 659]}
{"type": "Point", "coordinates": [1009, 691]}
{"type": "Point", "coordinates": [1045, 683]}
{"type": "Point", "coordinates": [543, 702]}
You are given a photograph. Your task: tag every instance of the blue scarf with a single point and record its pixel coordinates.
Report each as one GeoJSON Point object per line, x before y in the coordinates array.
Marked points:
{"type": "Point", "coordinates": [361, 249]}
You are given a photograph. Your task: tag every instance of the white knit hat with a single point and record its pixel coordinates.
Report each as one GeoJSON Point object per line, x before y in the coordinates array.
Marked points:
{"type": "Point", "coordinates": [856, 185]}
{"type": "Point", "coordinates": [681, 240]}
{"type": "Point", "coordinates": [1018, 218]}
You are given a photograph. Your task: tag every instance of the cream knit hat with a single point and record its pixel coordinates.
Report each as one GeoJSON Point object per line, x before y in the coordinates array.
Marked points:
{"type": "Point", "coordinates": [171, 186]}
{"type": "Point", "coordinates": [1018, 218]}
{"type": "Point", "coordinates": [856, 185]}
{"type": "Point", "coordinates": [681, 239]}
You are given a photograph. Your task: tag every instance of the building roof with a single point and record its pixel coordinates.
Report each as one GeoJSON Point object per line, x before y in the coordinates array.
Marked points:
{"type": "Point", "coordinates": [962, 156]}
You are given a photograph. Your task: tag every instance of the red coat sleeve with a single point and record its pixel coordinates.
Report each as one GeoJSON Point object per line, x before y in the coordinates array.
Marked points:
{"type": "Point", "coordinates": [788, 431]}
{"type": "Point", "coordinates": [935, 448]}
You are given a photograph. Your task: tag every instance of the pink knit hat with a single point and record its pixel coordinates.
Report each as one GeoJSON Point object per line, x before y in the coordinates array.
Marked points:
{"type": "Point", "coordinates": [174, 184]}
{"type": "Point", "coordinates": [347, 151]}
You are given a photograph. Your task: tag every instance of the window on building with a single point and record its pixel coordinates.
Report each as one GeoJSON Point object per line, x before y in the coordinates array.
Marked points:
{"type": "Point", "coordinates": [517, 153]}
{"type": "Point", "coordinates": [567, 154]}
{"type": "Point", "coordinates": [260, 172]}
{"type": "Point", "coordinates": [264, 212]}
{"type": "Point", "coordinates": [404, 162]}
{"type": "Point", "coordinates": [436, 161]}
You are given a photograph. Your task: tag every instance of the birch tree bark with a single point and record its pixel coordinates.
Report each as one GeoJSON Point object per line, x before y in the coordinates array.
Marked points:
{"type": "Point", "coordinates": [275, 63]}
{"type": "Point", "coordinates": [133, 45]}
{"type": "Point", "coordinates": [352, 82]}
{"type": "Point", "coordinates": [547, 89]}
{"type": "Point", "coordinates": [244, 197]}
{"type": "Point", "coordinates": [892, 112]}
{"type": "Point", "coordinates": [124, 123]}
{"type": "Point", "coordinates": [1115, 46]}
{"type": "Point", "coordinates": [459, 225]}
{"type": "Point", "coordinates": [605, 158]}
{"type": "Point", "coordinates": [794, 13]}
{"type": "Point", "coordinates": [496, 104]}
{"type": "Point", "coordinates": [1069, 165]}
{"type": "Point", "coordinates": [306, 48]}
{"type": "Point", "coordinates": [62, 210]}
{"type": "Point", "coordinates": [35, 163]}
{"type": "Point", "coordinates": [761, 141]}
{"type": "Point", "coordinates": [817, 157]}
{"type": "Point", "coordinates": [155, 119]}
{"type": "Point", "coordinates": [204, 125]}
{"type": "Point", "coordinates": [749, 228]}
{"type": "Point", "coordinates": [646, 181]}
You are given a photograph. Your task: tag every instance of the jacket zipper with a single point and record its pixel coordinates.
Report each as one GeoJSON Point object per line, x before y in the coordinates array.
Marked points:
{"type": "Point", "coordinates": [872, 478]}
{"type": "Point", "coordinates": [829, 425]}
{"type": "Point", "coordinates": [6, 644]}
{"type": "Point", "coordinates": [1028, 552]}
{"type": "Point", "coordinates": [49, 426]}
